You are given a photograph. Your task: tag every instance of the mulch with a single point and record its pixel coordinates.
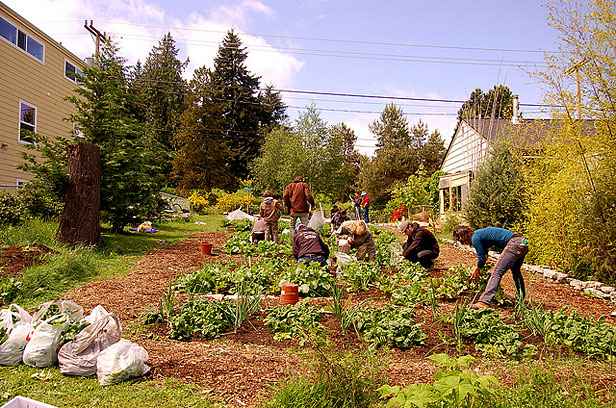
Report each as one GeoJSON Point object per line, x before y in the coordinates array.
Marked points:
{"type": "Point", "coordinates": [240, 368]}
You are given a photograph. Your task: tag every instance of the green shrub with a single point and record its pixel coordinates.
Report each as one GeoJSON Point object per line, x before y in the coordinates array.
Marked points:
{"type": "Point", "coordinates": [200, 316]}
{"type": "Point", "coordinates": [12, 210]}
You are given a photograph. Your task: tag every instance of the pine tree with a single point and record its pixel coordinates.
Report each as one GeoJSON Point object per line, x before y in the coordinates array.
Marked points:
{"type": "Point", "coordinates": [160, 90]}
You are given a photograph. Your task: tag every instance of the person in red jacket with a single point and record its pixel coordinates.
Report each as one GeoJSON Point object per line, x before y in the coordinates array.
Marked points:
{"type": "Point", "coordinates": [296, 197]}
{"type": "Point", "coordinates": [365, 204]}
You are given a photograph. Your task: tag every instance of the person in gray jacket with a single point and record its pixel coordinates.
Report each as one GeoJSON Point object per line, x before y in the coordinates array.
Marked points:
{"type": "Point", "coordinates": [356, 234]}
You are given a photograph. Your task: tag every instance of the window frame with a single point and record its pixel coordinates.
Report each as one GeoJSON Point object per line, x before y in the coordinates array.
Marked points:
{"type": "Point", "coordinates": [19, 139]}
{"type": "Point", "coordinates": [27, 39]}
{"type": "Point", "coordinates": [20, 183]}
{"type": "Point", "coordinates": [75, 81]}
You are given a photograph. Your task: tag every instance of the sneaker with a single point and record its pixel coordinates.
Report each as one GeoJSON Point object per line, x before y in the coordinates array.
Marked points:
{"type": "Point", "coordinates": [479, 305]}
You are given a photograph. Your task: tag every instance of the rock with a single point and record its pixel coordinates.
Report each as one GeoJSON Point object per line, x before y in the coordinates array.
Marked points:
{"type": "Point", "coordinates": [613, 314]}
{"type": "Point", "coordinates": [607, 289]}
{"type": "Point", "coordinates": [597, 293]}
{"type": "Point", "coordinates": [594, 284]}
{"type": "Point", "coordinates": [577, 284]}
{"type": "Point", "coordinates": [555, 275]}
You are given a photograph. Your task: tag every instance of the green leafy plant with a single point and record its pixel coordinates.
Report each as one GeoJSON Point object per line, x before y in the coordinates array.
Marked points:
{"type": "Point", "coordinates": [242, 225]}
{"type": "Point", "coordinates": [204, 317]}
{"type": "Point", "coordinates": [344, 312]}
{"type": "Point", "coordinates": [245, 305]}
{"type": "Point", "coordinates": [361, 274]}
{"type": "Point", "coordinates": [489, 333]}
{"type": "Point", "coordinates": [9, 290]}
{"type": "Point", "coordinates": [454, 386]}
{"type": "Point", "coordinates": [238, 244]}
{"type": "Point", "coordinates": [211, 278]}
{"type": "Point", "coordinates": [391, 326]}
{"type": "Point", "coordinates": [313, 280]}
{"type": "Point", "coordinates": [287, 322]}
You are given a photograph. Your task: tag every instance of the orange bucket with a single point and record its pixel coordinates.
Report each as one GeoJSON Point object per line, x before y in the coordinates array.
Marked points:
{"type": "Point", "coordinates": [206, 248]}
{"type": "Point", "coordinates": [289, 294]}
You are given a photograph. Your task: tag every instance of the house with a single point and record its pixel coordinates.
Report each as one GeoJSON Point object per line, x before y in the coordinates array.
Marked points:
{"type": "Point", "coordinates": [36, 73]}
{"type": "Point", "coordinates": [469, 147]}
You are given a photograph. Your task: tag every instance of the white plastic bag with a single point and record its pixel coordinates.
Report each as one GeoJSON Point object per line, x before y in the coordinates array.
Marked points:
{"type": "Point", "coordinates": [13, 316]}
{"type": "Point", "coordinates": [396, 253]}
{"type": "Point", "coordinates": [239, 215]}
{"type": "Point", "coordinates": [12, 350]}
{"type": "Point", "coordinates": [41, 350]}
{"type": "Point", "coordinates": [78, 357]}
{"type": "Point", "coordinates": [121, 361]}
{"type": "Point", "coordinates": [317, 221]}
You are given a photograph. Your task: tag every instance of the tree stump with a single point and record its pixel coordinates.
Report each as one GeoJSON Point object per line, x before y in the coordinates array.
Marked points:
{"type": "Point", "coordinates": [80, 222]}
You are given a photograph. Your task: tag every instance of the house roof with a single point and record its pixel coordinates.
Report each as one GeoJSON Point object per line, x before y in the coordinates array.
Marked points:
{"type": "Point", "coordinates": [526, 134]}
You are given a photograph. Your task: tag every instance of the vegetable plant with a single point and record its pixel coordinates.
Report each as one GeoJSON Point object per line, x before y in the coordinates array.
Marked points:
{"type": "Point", "coordinates": [391, 326]}
{"type": "Point", "coordinates": [313, 280]}
{"type": "Point", "coordinates": [294, 321]}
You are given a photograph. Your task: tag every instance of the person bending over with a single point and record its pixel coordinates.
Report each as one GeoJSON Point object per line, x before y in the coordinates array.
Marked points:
{"type": "Point", "coordinates": [356, 234]}
{"type": "Point", "coordinates": [308, 246]}
{"type": "Point", "coordinates": [515, 248]}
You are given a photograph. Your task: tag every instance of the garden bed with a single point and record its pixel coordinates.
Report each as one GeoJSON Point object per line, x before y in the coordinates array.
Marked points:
{"type": "Point", "coordinates": [239, 368]}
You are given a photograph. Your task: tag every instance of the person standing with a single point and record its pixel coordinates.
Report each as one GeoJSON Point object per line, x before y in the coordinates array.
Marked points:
{"type": "Point", "coordinates": [365, 205]}
{"type": "Point", "coordinates": [296, 197]}
{"type": "Point", "coordinates": [357, 206]}
{"type": "Point", "coordinates": [309, 247]}
{"type": "Point", "coordinates": [515, 248]}
{"type": "Point", "coordinates": [356, 234]}
{"type": "Point", "coordinates": [270, 210]}
{"type": "Point", "coordinates": [421, 245]}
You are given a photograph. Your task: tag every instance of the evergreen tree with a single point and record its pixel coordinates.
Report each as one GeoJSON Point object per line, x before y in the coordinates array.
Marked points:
{"type": "Point", "coordinates": [230, 115]}
{"type": "Point", "coordinates": [496, 195]}
{"type": "Point", "coordinates": [497, 103]}
{"type": "Point", "coordinates": [432, 152]}
{"type": "Point", "coordinates": [130, 169]}
{"type": "Point", "coordinates": [160, 90]}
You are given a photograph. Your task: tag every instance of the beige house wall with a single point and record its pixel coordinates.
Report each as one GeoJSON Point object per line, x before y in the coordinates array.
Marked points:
{"type": "Point", "coordinates": [39, 84]}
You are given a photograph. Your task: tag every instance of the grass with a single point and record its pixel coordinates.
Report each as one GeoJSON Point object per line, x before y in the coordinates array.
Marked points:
{"type": "Point", "coordinates": [51, 387]}
{"type": "Point", "coordinates": [69, 267]}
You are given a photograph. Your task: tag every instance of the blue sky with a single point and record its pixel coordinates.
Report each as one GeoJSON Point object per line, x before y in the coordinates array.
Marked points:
{"type": "Point", "coordinates": [407, 49]}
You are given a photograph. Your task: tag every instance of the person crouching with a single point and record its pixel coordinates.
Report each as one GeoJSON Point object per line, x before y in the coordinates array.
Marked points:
{"type": "Point", "coordinates": [420, 246]}
{"type": "Point", "coordinates": [308, 246]}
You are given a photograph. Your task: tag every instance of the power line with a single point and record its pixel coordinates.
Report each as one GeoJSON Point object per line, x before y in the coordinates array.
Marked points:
{"type": "Point", "coordinates": [324, 39]}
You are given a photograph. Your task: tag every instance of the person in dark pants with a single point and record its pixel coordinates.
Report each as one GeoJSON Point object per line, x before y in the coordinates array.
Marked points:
{"type": "Point", "coordinates": [258, 231]}
{"type": "Point", "coordinates": [515, 248]}
{"type": "Point", "coordinates": [421, 245]}
{"type": "Point", "coordinates": [365, 205]}
{"type": "Point", "coordinates": [308, 246]}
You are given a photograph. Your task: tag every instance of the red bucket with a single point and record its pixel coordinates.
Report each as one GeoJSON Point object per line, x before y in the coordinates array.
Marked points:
{"type": "Point", "coordinates": [289, 294]}
{"type": "Point", "coordinates": [206, 248]}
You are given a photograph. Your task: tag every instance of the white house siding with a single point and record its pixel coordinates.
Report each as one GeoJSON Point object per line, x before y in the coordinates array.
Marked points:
{"type": "Point", "coordinates": [466, 152]}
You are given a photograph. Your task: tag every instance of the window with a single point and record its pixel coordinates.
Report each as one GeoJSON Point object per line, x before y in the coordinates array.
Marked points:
{"type": "Point", "coordinates": [22, 40]}
{"type": "Point", "coordinates": [73, 72]}
{"type": "Point", "coordinates": [27, 122]}
{"type": "Point", "coordinates": [21, 183]}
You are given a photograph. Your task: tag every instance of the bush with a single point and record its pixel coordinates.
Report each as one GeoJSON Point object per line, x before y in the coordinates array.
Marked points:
{"type": "Point", "coordinates": [12, 210]}
{"type": "Point", "coordinates": [240, 199]}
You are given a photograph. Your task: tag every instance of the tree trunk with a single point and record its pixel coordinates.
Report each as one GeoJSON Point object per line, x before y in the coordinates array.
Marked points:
{"type": "Point", "coordinates": [80, 219]}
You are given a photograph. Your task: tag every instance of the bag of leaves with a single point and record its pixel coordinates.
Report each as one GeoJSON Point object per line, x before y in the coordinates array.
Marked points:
{"type": "Point", "coordinates": [15, 325]}
{"type": "Point", "coordinates": [121, 361]}
{"type": "Point", "coordinates": [50, 321]}
{"type": "Point", "coordinates": [78, 357]}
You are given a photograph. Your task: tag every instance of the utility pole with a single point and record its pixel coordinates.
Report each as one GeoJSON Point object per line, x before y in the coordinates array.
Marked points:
{"type": "Point", "coordinates": [576, 68]}
{"type": "Point", "coordinates": [99, 36]}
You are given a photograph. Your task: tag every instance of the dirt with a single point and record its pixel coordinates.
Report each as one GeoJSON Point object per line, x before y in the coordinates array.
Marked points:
{"type": "Point", "coordinates": [13, 259]}
{"type": "Point", "coordinates": [240, 368]}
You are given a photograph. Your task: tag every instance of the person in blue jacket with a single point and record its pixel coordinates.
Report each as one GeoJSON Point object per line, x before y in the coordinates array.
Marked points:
{"type": "Point", "coordinates": [515, 248]}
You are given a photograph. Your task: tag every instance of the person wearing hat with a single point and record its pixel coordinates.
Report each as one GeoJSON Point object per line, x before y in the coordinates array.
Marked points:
{"type": "Point", "coordinates": [420, 246]}
{"type": "Point", "coordinates": [308, 246]}
{"type": "Point", "coordinates": [365, 204]}
{"type": "Point", "coordinates": [270, 210]}
{"type": "Point", "coordinates": [356, 234]}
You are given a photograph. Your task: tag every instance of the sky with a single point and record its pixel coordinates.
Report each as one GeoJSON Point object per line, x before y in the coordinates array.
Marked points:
{"type": "Point", "coordinates": [347, 57]}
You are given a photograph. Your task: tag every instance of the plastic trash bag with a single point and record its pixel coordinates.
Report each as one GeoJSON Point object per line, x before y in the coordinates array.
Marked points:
{"type": "Point", "coordinates": [12, 350]}
{"type": "Point", "coordinates": [396, 253]}
{"type": "Point", "coordinates": [13, 316]}
{"type": "Point", "coordinates": [121, 361]}
{"type": "Point", "coordinates": [42, 348]}
{"type": "Point", "coordinates": [78, 357]}
{"type": "Point", "coordinates": [317, 221]}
